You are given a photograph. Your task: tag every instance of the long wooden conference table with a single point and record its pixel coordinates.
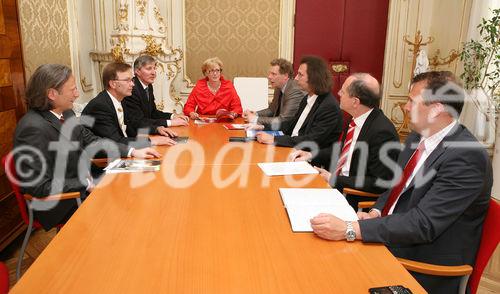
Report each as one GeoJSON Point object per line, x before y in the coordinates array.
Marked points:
{"type": "Point", "coordinates": [209, 221]}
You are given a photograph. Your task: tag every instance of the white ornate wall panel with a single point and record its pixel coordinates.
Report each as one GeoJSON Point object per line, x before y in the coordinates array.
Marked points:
{"type": "Point", "coordinates": [126, 29]}
{"type": "Point", "coordinates": [445, 21]}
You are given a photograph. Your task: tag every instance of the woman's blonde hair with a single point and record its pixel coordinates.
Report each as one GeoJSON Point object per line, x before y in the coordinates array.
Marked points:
{"type": "Point", "coordinates": [210, 63]}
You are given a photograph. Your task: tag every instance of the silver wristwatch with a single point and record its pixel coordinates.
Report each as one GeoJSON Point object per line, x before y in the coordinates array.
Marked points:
{"type": "Point", "coordinates": [350, 234]}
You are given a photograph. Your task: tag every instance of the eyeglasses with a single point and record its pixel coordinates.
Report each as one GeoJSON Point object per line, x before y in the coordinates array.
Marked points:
{"type": "Point", "coordinates": [217, 70]}
{"type": "Point", "coordinates": [124, 80]}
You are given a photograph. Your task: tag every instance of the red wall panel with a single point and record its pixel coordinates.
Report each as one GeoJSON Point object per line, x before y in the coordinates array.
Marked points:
{"type": "Point", "coordinates": [317, 29]}
{"type": "Point", "coordinates": [343, 30]}
{"type": "Point", "coordinates": [365, 28]}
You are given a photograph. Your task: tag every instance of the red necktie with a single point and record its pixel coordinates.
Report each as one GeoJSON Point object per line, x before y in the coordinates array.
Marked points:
{"type": "Point", "coordinates": [410, 166]}
{"type": "Point", "coordinates": [345, 149]}
{"type": "Point", "coordinates": [61, 119]}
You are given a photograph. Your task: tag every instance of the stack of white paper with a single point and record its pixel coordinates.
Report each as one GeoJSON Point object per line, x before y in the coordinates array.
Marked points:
{"type": "Point", "coordinates": [287, 168]}
{"type": "Point", "coordinates": [304, 204]}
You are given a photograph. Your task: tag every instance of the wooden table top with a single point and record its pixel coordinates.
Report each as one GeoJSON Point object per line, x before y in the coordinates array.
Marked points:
{"type": "Point", "coordinates": [211, 227]}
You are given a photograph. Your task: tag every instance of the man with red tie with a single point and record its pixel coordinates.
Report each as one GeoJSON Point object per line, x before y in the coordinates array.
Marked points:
{"type": "Point", "coordinates": [436, 209]}
{"type": "Point", "coordinates": [359, 164]}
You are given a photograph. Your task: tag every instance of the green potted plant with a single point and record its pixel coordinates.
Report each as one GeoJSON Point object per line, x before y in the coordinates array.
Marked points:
{"type": "Point", "coordinates": [481, 77]}
{"type": "Point", "coordinates": [481, 61]}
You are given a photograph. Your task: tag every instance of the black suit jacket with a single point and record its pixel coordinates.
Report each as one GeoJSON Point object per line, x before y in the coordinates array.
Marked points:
{"type": "Point", "coordinates": [106, 122]}
{"type": "Point", "coordinates": [438, 220]}
{"type": "Point", "coordinates": [375, 132]}
{"type": "Point", "coordinates": [38, 130]}
{"type": "Point", "coordinates": [322, 125]}
{"type": "Point", "coordinates": [141, 110]}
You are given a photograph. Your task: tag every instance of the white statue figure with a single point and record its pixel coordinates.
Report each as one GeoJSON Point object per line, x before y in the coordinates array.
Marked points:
{"type": "Point", "coordinates": [422, 63]}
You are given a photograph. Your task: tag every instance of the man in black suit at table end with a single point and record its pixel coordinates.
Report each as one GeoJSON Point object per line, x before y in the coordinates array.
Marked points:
{"type": "Point", "coordinates": [357, 163]}
{"type": "Point", "coordinates": [436, 210]}
{"type": "Point", "coordinates": [109, 114]}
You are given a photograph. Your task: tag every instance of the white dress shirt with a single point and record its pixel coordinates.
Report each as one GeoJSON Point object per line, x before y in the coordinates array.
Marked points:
{"type": "Point", "coordinates": [57, 115]}
{"type": "Point", "coordinates": [119, 113]}
{"type": "Point", "coordinates": [304, 114]}
{"type": "Point", "coordinates": [359, 121]}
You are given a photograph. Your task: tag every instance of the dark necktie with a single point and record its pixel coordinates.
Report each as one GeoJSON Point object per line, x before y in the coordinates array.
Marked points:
{"type": "Point", "coordinates": [278, 109]}
{"type": "Point", "coordinates": [410, 166]}
{"type": "Point", "coordinates": [147, 92]}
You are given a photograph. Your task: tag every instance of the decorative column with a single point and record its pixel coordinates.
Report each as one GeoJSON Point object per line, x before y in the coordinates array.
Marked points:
{"type": "Point", "coordinates": [126, 29]}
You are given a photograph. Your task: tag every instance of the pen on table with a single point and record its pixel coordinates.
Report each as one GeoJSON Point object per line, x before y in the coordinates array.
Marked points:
{"type": "Point", "coordinates": [196, 111]}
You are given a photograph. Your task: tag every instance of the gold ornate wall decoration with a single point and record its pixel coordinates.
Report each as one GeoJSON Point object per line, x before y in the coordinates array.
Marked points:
{"type": "Point", "coordinates": [86, 86]}
{"type": "Point", "coordinates": [117, 53]}
{"type": "Point", "coordinates": [402, 123]}
{"type": "Point", "coordinates": [123, 17]}
{"type": "Point", "coordinates": [436, 60]}
{"type": "Point", "coordinates": [416, 44]}
{"type": "Point", "coordinates": [339, 68]}
{"type": "Point", "coordinates": [160, 20]}
{"type": "Point", "coordinates": [120, 48]}
{"type": "Point", "coordinates": [401, 120]}
{"type": "Point", "coordinates": [141, 4]}
{"type": "Point", "coordinates": [152, 48]}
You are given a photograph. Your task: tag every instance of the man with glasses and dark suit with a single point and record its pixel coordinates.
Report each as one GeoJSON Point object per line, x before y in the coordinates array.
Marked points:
{"type": "Point", "coordinates": [109, 114]}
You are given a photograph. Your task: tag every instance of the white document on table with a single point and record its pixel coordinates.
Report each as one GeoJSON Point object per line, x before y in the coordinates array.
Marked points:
{"type": "Point", "coordinates": [287, 168]}
{"type": "Point", "coordinates": [304, 204]}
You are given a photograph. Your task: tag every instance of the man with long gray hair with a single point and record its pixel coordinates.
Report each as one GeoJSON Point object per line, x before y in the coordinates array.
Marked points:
{"type": "Point", "coordinates": [49, 144]}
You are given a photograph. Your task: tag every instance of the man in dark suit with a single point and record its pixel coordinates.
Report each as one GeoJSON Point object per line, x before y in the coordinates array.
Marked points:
{"type": "Point", "coordinates": [109, 115]}
{"type": "Point", "coordinates": [286, 98]}
{"type": "Point", "coordinates": [436, 210]}
{"type": "Point", "coordinates": [318, 119]}
{"type": "Point", "coordinates": [140, 106]}
{"type": "Point", "coordinates": [357, 163]}
{"type": "Point", "coordinates": [49, 144]}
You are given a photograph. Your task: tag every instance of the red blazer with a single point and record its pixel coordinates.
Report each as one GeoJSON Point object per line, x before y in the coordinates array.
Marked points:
{"type": "Point", "coordinates": [208, 103]}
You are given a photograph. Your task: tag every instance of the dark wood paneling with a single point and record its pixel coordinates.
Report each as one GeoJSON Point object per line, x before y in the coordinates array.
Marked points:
{"type": "Point", "coordinates": [12, 85]}
{"type": "Point", "coordinates": [11, 224]}
{"type": "Point", "coordinates": [2, 22]}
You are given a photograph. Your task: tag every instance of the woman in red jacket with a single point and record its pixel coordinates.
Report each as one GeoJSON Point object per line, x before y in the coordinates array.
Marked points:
{"type": "Point", "coordinates": [212, 92]}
